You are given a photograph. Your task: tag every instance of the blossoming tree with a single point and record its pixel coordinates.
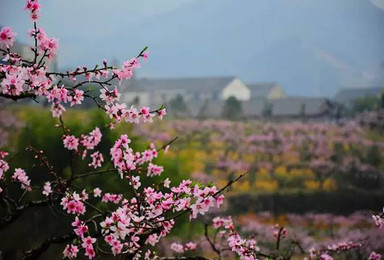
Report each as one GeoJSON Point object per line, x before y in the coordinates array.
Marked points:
{"type": "Point", "coordinates": [129, 224]}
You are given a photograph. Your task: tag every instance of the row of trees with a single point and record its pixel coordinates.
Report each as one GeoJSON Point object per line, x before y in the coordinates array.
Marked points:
{"type": "Point", "coordinates": [232, 108]}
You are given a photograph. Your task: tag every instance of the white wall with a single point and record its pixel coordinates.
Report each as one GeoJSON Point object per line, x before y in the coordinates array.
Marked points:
{"type": "Point", "coordinates": [276, 93]}
{"type": "Point", "coordinates": [237, 89]}
{"type": "Point", "coordinates": [128, 97]}
{"type": "Point", "coordinates": [152, 98]}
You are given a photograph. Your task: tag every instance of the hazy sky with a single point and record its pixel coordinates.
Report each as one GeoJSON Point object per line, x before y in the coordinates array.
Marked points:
{"type": "Point", "coordinates": [310, 47]}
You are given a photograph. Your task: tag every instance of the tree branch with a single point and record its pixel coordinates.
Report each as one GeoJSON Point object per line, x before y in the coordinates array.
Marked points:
{"type": "Point", "coordinates": [19, 211]}
{"type": "Point", "coordinates": [21, 96]}
{"type": "Point", "coordinates": [36, 252]}
{"type": "Point", "coordinates": [229, 184]}
{"type": "Point", "coordinates": [212, 244]}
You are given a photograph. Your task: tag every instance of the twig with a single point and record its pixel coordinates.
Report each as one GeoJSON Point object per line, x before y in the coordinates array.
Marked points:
{"type": "Point", "coordinates": [229, 184]}
{"type": "Point", "coordinates": [213, 246]}
{"type": "Point", "coordinates": [169, 143]}
{"type": "Point", "coordinates": [92, 173]}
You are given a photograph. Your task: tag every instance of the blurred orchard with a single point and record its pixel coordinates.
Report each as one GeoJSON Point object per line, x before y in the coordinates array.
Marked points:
{"type": "Point", "coordinates": [116, 181]}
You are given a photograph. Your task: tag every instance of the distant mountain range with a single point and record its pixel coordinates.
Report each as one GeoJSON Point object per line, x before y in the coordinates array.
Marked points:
{"type": "Point", "coordinates": [308, 47]}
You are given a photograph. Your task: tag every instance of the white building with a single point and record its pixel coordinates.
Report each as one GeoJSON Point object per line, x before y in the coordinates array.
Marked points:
{"type": "Point", "coordinates": [26, 53]}
{"type": "Point", "coordinates": [160, 91]}
{"type": "Point", "coordinates": [266, 91]}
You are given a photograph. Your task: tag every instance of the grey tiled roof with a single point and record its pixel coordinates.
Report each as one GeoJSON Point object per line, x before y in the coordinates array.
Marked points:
{"type": "Point", "coordinates": [287, 107]}
{"type": "Point", "coordinates": [253, 108]}
{"type": "Point", "coordinates": [292, 106]}
{"type": "Point", "coordinates": [209, 108]}
{"type": "Point", "coordinates": [349, 95]}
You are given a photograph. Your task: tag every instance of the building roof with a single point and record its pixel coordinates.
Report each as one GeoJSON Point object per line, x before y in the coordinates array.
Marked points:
{"type": "Point", "coordinates": [261, 90]}
{"type": "Point", "coordinates": [294, 106]}
{"type": "Point", "coordinates": [351, 94]}
{"type": "Point", "coordinates": [205, 108]}
{"type": "Point", "coordinates": [253, 108]}
{"type": "Point", "coordinates": [288, 107]}
{"type": "Point", "coordinates": [188, 84]}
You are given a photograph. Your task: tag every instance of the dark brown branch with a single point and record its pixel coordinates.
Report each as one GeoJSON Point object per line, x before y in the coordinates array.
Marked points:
{"type": "Point", "coordinates": [279, 238]}
{"type": "Point", "coordinates": [216, 194]}
{"type": "Point", "coordinates": [265, 255]}
{"type": "Point", "coordinates": [101, 83]}
{"type": "Point", "coordinates": [36, 252]}
{"type": "Point", "coordinates": [78, 73]}
{"type": "Point", "coordinates": [212, 244]}
{"type": "Point", "coordinates": [21, 96]}
{"type": "Point", "coordinates": [297, 243]}
{"type": "Point", "coordinates": [45, 54]}
{"type": "Point", "coordinates": [35, 43]}
{"type": "Point", "coordinates": [19, 211]}
{"type": "Point", "coordinates": [169, 143]}
{"type": "Point", "coordinates": [96, 101]}
{"type": "Point", "coordinates": [229, 184]}
{"type": "Point", "coordinates": [92, 173]}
